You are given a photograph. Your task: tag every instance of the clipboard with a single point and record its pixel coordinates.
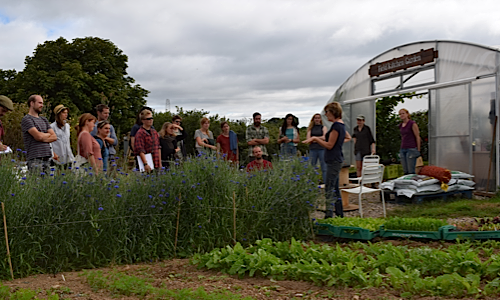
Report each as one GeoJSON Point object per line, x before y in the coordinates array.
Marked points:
{"type": "Point", "coordinates": [6, 151]}
{"type": "Point", "coordinates": [149, 160]}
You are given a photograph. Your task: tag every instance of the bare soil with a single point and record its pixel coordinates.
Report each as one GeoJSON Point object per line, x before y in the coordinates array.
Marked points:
{"type": "Point", "coordinates": [179, 274]}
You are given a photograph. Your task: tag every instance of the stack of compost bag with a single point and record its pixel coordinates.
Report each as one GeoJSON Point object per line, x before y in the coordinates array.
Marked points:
{"type": "Point", "coordinates": [413, 184]}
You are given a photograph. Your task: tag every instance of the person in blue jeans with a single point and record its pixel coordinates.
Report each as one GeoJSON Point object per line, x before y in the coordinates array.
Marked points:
{"type": "Point", "coordinates": [316, 151]}
{"type": "Point", "coordinates": [289, 136]}
{"type": "Point", "coordinates": [410, 142]}
{"type": "Point", "coordinates": [334, 140]}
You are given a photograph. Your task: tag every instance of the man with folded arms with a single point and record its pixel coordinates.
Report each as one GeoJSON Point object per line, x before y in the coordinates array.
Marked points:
{"type": "Point", "coordinates": [37, 136]}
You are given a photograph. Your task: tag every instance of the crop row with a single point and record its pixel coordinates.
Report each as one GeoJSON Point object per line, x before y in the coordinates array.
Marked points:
{"type": "Point", "coordinates": [459, 270]}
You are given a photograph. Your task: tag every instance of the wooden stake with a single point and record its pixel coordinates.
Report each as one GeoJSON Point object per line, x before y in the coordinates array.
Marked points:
{"type": "Point", "coordinates": [7, 241]}
{"type": "Point", "coordinates": [234, 217]}
{"type": "Point", "coordinates": [177, 226]}
{"type": "Point", "coordinates": [311, 224]}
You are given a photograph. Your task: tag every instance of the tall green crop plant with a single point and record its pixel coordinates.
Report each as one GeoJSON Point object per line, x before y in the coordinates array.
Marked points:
{"type": "Point", "coordinates": [72, 220]}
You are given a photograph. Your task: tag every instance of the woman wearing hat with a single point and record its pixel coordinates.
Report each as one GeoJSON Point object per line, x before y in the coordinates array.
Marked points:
{"type": "Point", "coordinates": [62, 147]}
{"type": "Point", "coordinates": [5, 106]}
{"type": "Point", "coordinates": [364, 143]}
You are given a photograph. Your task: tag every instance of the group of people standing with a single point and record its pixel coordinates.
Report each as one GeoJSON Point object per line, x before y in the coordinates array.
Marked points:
{"type": "Point", "coordinates": [46, 143]}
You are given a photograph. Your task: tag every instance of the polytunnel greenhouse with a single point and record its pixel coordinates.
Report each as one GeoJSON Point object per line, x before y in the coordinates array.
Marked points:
{"type": "Point", "coordinates": [460, 81]}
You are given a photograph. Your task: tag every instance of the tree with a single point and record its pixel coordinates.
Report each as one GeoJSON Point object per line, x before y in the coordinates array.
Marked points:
{"type": "Point", "coordinates": [388, 136]}
{"type": "Point", "coordinates": [7, 82]}
{"type": "Point", "coordinates": [80, 75]}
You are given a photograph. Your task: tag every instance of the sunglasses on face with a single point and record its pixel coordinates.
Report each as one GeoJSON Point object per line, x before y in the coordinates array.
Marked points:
{"type": "Point", "coordinates": [150, 118]}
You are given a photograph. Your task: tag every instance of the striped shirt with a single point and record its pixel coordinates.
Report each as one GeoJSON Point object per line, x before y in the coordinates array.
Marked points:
{"type": "Point", "coordinates": [34, 148]}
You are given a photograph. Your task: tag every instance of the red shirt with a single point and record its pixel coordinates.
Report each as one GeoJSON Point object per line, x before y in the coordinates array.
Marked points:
{"type": "Point", "coordinates": [148, 143]}
{"type": "Point", "coordinates": [226, 148]}
{"type": "Point", "coordinates": [255, 166]}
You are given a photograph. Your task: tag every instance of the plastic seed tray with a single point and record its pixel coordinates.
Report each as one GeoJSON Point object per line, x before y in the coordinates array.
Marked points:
{"type": "Point", "coordinates": [346, 232]}
{"type": "Point", "coordinates": [432, 235]}
{"type": "Point", "coordinates": [326, 229]}
{"type": "Point", "coordinates": [450, 234]}
{"type": "Point", "coordinates": [357, 233]}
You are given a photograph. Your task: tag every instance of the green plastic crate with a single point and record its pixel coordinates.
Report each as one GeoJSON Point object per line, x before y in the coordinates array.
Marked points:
{"type": "Point", "coordinates": [433, 235]}
{"type": "Point", "coordinates": [450, 234]}
{"type": "Point", "coordinates": [356, 233]}
{"type": "Point", "coordinates": [326, 229]}
{"type": "Point", "coordinates": [391, 171]}
{"type": "Point", "coordinates": [400, 170]}
{"type": "Point", "coordinates": [346, 232]}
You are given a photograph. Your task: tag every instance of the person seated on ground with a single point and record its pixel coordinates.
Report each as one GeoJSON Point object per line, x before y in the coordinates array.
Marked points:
{"type": "Point", "coordinates": [259, 163]}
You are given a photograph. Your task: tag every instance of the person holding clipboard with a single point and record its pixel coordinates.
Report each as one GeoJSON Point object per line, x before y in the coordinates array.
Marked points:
{"type": "Point", "coordinates": [147, 144]}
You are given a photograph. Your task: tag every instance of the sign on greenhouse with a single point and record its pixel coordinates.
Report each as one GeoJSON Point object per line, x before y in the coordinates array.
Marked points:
{"type": "Point", "coordinates": [400, 63]}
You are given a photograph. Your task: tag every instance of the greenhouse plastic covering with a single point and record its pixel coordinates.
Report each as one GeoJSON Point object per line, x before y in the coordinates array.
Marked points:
{"type": "Point", "coordinates": [462, 105]}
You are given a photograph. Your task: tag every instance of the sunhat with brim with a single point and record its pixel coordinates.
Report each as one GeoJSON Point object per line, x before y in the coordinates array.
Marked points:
{"type": "Point", "coordinates": [6, 102]}
{"type": "Point", "coordinates": [59, 108]}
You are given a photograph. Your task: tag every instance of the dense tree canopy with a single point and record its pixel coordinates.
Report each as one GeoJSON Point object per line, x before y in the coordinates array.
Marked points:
{"type": "Point", "coordinates": [80, 75]}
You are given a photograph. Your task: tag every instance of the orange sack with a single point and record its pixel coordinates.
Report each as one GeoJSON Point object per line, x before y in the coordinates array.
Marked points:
{"type": "Point", "coordinates": [439, 173]}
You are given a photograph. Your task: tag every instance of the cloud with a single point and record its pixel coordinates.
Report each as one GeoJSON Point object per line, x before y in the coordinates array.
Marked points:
{"type": "Point", "coordinates": [235, 57]}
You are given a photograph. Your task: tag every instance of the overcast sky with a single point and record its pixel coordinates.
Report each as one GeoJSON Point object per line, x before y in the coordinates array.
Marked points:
{"type": "Point", "coordinates": [237, 57]}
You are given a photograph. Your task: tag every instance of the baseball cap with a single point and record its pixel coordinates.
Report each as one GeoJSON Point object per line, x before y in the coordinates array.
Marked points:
{"type": "Point", "coordinates": [360, 117]}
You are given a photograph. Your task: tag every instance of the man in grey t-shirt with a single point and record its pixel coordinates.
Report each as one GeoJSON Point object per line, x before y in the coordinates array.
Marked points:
{"type": "Point", "coordinates": [37, 136]}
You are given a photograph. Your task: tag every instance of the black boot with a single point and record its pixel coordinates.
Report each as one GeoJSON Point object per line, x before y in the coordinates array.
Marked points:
{"type": "Point", "coordinates": [339, 208]}
{"type": "Point", "coordinates": [328, 214]}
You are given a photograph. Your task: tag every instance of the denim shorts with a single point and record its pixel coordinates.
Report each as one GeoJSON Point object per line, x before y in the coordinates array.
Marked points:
{"type": "Point", "coordinates": [359, 157]}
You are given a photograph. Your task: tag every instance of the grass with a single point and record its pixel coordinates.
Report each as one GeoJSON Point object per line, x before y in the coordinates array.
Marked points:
{"type": "Point", "coordinates": [455, 208]}
{"type": "Point", "coordinates": [120, 284]}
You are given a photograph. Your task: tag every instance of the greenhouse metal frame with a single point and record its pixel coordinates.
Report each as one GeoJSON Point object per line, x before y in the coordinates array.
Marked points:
{"type": "Point", "coordinates": [461, 81]}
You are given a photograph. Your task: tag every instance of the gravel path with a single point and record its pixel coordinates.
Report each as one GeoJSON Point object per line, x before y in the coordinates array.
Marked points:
{"type": "Point", "coordinates": [372, 206]}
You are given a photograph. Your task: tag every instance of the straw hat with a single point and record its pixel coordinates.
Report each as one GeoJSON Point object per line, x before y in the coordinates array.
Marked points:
{"type": "Point", "coordinates": [59, 108]}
